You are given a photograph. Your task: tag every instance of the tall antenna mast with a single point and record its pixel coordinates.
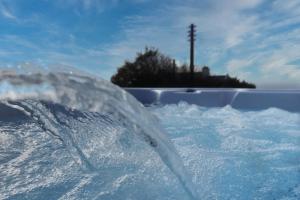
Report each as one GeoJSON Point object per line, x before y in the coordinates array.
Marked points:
{"type": "Point", "coordinates": [192, 39]}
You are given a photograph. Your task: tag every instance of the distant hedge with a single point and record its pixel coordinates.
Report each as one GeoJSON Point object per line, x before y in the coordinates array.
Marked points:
{"type": "Point", "coordinates": [153, 69]}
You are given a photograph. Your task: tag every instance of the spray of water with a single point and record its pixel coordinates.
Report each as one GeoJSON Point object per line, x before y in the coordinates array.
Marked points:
{"type": "Point", "coordinates": [87, 125]}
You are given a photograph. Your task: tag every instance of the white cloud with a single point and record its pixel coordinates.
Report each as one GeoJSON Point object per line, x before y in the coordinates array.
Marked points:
{"type": "Point", "coordinates": [239, 32]}
{"type": "Point", "coordinates": [279, 64]}
{"type": "Point", "coordinates": [6, 12]}
{"type": "Point", "coordinates": [86, 5]}
{"type": "Point", "coordinates": [221, 26]}
{"type": "Point", "coordinates": [233, 36]}
{"type": "Point", "coordinates": [241, 68]}
{"type": "Point", "coordinates": [98, 5]}
{"type": "Point", "coordinates": [291, 7]}
{"type": "Point", "coordinates": [237, 65]}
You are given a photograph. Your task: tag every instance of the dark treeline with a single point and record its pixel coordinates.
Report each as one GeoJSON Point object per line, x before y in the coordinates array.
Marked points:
{"type": "Point", "coordinates": [153, 69]}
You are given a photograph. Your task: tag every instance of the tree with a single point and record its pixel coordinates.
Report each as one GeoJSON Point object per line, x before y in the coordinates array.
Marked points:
{"type": "Point", "coordinates": [153, 69]}
{"type": "Point", "coordinates": [149, 68]}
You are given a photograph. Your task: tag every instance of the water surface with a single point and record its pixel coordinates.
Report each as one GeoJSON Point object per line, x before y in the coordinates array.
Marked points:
{"type": "Point", "coordinates": [236, 154]}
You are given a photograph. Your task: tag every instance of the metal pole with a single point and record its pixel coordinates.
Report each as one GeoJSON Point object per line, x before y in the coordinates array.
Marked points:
{"type": "Point", "coordinates": [192, 39]}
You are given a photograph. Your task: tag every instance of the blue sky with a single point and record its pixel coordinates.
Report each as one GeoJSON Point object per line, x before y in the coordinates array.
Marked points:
{"type": "Point", "coordinates": [255, 40]}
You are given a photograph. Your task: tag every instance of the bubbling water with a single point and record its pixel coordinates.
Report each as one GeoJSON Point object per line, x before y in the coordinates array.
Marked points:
{"type": "Point", "coordinates": [236, 154]}
{"type": "Point", "coordinates": [70, 136]}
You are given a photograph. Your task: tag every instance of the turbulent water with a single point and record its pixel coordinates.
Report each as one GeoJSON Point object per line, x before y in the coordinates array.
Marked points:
{"type": "Point", "coordinates": [70, 136]}
{"type": "Point", "coordinates": [234, 154]}
{"type": "Point", "coordinates": [66, 136]}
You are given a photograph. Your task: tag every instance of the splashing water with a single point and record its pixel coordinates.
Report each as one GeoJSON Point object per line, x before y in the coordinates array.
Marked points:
{"type": "Point", "coordinates": [70, 136]}
{"type": "Point", "coordinates": [67, 136]}
{"type": "Point", "coordinates": [235, 154]}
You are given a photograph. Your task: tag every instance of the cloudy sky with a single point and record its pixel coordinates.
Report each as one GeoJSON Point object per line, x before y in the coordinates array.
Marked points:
{"type": "Point", "coordinates": [255, 40]}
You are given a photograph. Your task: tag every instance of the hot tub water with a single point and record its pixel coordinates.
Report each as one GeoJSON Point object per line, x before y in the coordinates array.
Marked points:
{"type": "Point", "coordinates": [68, 136]}
{"type": "Point", "coordinates": [236, 154]}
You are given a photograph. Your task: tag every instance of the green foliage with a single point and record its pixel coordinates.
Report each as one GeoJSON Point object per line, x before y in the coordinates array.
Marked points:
{"type": "Point", "coordinates": [153, 69]}
{"type": "Point", "coordinates": [150, 69]}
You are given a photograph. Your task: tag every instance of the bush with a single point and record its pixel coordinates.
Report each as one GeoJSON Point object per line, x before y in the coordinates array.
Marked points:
{"type": "Point", "coordinates": [153, 69]}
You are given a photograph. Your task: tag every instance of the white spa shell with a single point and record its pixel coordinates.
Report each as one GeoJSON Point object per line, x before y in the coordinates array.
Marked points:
{"type": "Point", "coordinates": [246, 99]}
